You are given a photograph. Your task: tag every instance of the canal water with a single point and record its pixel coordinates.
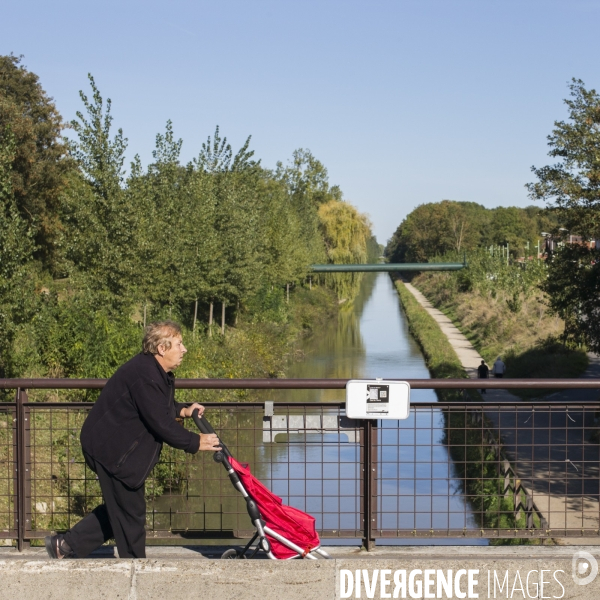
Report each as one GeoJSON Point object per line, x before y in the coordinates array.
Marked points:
{"type": "Point", "coordinates": [370, 339]}
{"type": "Point", "coordinates": [418, 487]}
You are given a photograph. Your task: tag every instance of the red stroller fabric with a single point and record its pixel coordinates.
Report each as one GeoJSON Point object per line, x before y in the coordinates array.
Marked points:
{"type": "Point", "coordinates": [287, 521]}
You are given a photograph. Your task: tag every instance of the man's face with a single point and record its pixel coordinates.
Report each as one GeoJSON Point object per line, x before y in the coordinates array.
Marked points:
{"type": "Point", "coordinates": [174, 355]}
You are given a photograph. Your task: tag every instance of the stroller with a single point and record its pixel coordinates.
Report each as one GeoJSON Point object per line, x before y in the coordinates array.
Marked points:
{"type": "Point", "coordinates": [282, 532]}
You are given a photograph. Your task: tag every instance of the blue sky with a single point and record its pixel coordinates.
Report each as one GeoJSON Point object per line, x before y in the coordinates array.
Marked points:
{"type": "Point", "coordinates": [405, 102]}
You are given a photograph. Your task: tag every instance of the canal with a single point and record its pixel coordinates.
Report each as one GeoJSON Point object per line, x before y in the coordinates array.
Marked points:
{"type": "Point", "coordinates": [417, 484]}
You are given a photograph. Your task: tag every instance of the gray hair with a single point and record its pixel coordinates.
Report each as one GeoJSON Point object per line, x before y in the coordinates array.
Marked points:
{"type": "Point", "coordinates": [159, 334]}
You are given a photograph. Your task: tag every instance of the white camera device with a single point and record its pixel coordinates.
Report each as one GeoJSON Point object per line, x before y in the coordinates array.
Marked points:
{"type": "Point", "coordinates": [377, 399]}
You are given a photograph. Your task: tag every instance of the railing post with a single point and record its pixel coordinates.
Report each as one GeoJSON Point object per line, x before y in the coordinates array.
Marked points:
{"type": "Point", "coordinates": [23, 471]}
{"type": "Point", "coordinates": [369, 483]}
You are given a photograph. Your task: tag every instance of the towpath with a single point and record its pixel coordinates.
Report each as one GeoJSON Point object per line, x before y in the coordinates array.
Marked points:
{"type": "Point", "coordinates": [469, 358]}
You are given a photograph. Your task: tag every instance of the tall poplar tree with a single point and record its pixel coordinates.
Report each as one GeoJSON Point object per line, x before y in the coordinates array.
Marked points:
{"type": "Point", "coordinates": [237, 226]}
{"type": "Point", "coordinates": [101, 241]}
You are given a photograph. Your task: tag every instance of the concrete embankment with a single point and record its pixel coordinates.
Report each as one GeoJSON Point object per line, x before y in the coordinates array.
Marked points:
{"type": "Point", "coordinates": [185, 573]}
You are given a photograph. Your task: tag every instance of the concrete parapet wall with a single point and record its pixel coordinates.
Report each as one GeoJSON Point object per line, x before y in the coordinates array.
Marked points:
{"type": "Point", "coordinates": [179, 576]}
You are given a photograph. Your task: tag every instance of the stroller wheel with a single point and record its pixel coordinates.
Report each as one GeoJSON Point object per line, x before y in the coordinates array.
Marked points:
{"type": "Point", "coordinates": [231, 553]}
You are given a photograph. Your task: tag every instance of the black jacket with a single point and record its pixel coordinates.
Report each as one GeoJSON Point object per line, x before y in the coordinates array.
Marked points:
{"type": "Point", "coordinates": [131, 419]}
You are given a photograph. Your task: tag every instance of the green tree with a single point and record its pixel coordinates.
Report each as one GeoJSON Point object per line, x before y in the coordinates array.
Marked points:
{"type": "Point", "coordinates": [16, 249]}
{"type": "Point", "coordinates": [216, 156]}
{"type": "Point", "coordinates": [511, 225]}
{"type": "Point", "coordinates": [374, 250]}
{"type": "Point", "coordinates": [160, 209]}
{"type": "Point", "coordinates": [307, 182]}
{"type": "Point", "coordinates": [308, 176]}
{"type": "Point", "coordinates": [285, 258]}
{"type": "Point", "coordinates": [39, 165]}
{"type": "Point", "coordinates": [101, 222]}
{"type": "Point", "coordinates": [240, 235]}
{"type": "Point", "coordinates": [235, 213]}
{"type": "Point", "coordinates": [435, 228]}
{"type": "Point", "coordinates": [166, 237]}
{"type": "Point", "coordinates": [573, 288]}
{"type": "Point", "coordinates": [200, 255]}
{"type": "Point", "coordinates": [346, 233]}
{"type": "Point", "coordinates": [464, 223]}
{"type": "Point", "coordinates": [571, 188]}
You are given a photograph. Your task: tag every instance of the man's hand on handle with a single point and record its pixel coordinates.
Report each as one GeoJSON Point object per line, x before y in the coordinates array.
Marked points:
{"type": "Point", "coordinates": [209, 442]}
{"type": "Point", "coordinates": [187, 412]}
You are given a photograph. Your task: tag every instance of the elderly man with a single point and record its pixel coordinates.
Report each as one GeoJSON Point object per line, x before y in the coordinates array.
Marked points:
{"type": "Point", "coordinates": [122, 438]}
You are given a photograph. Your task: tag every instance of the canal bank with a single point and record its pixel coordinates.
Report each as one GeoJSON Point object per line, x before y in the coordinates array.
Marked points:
{"type": "Point", "coordinates": [540, 462]}
{"type": "Point", "coordinates": [466, 354]}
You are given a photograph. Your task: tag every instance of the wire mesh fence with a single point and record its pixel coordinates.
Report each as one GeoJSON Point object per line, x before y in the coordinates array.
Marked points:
{"type": "Point", "coordinates": [476, 470]}
{"type": "Point", "coordinates": [8, 475]}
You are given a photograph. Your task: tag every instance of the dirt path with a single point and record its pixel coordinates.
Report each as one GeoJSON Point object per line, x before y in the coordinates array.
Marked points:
{"type": "Point", "coordinates": [469, 358]}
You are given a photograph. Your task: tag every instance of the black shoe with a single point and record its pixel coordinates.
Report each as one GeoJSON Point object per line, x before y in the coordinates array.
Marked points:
{"type": "Point", "coordinates": [57, 547]}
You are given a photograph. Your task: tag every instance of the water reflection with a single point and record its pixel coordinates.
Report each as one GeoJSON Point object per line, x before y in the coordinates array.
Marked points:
{"type": "Point", "coordinates": [335, 352]}
{"type": "Point", "coordinates": [369, 339]}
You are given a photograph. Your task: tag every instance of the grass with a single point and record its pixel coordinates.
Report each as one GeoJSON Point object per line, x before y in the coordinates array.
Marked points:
{"type": "Point", "coordinates": [440, 357]}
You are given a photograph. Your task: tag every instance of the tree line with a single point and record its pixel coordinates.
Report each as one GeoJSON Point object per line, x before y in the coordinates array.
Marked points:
{"type": "Point", "coordinates": [83, 239]}
{"type": "Point", "coordinates": [436, 228]}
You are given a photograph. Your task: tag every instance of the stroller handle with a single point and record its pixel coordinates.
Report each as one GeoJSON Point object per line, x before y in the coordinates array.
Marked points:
{"type": "Point", "coordinates": [205, 427]}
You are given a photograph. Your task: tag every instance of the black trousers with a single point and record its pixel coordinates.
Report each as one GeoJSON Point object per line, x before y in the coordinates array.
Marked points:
{"type": "Point", "coordinates": [122, 517]}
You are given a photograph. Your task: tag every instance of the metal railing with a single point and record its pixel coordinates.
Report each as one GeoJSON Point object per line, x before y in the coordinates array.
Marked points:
{"type": "Point", "coordinates": [526, 470]}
